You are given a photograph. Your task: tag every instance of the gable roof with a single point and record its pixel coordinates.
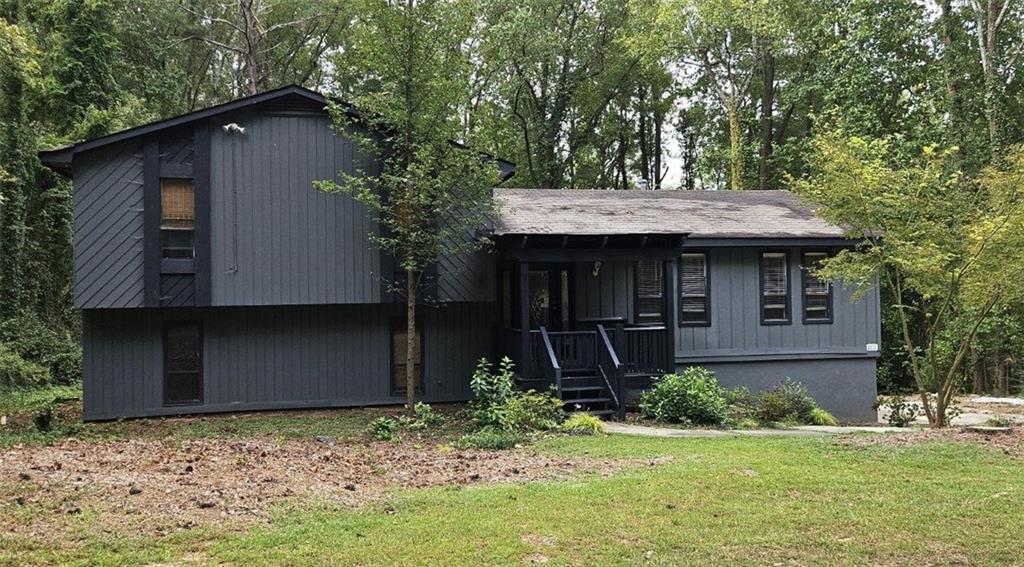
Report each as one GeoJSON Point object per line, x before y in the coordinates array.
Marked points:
{"type": "Point", "coordinates": [698, 214]}
{"type": "Point", "coordinates": [60, 159]}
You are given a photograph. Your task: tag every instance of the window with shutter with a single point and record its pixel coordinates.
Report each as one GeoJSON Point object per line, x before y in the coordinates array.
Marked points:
{"type": "Point", "coordinates": [774, 288]}
{"type": "Point", "coordinates": [650, 298]}
{"type": "Point", "coordinates": [177, 218]}
{"type": "Point", "coordinates": [817, 292]}
{"type": "Point", "coordinates": [694, 307]}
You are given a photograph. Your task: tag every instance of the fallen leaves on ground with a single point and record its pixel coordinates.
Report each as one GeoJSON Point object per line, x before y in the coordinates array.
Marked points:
{"type": "Point", "coordinates": [1010, 442]}
{"type": "Point", "coordinates": [137, 487]}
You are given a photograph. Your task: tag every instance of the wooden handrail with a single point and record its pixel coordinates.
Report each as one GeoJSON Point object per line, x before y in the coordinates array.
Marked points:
{"type": "Point", "coordinates": [606, 356]}
{"type": "Point", "coordinates": [552, 361]}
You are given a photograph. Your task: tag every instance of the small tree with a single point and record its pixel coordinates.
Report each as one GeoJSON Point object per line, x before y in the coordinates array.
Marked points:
{"type": "Point", "coordinates": [407, 73]}
{"type": "Point", "coordinates": [949, 249]}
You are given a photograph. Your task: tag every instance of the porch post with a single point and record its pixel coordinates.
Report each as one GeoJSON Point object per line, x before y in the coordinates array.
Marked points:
{"type": "Point", "coordinates": [669, 276]}
{"type": "Point", "coordinates": [524, 320]}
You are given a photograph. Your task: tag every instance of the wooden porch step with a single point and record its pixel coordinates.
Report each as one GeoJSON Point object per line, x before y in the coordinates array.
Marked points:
{"type": "Point", "coordinates": [587, 400]}
{"type": "Point", "coordinates": [582, 388]}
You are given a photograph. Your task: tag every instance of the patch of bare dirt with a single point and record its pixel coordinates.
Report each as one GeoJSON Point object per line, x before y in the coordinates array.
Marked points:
{"type": "Point", "coordinates": [1010, 442]}
{"type": "Point", "coordinates": [139, 487]}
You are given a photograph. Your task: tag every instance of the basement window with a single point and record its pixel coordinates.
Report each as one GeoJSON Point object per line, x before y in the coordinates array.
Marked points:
{"type": "Point", "coordinates": [399, 348]}
{"type": "Point", "coordinates": [183, 363]}
{"type": "Point", "coordinates": [177, 218]}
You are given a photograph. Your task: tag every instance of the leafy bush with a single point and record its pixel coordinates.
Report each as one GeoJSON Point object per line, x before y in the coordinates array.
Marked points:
{"type": "Point", "coordinates": [383, 428]}
{"type": "Point", "coordinates": [999, 421]}
{"type": "Point", "coordinates": [901, 413]}
{"type": "Point", "coordinates": [426, 416]}
{"type": "Point", "coordinates": [491, 392]}
{"type": "Point", "coordinates": [822, 417]}
{"type": "Point", "coordinates": [56, 351]}
{"type": "Point", "coordinates": [532, 411]}
{"type": "Point", "coordinates": [787, 402]}
{"type": "Point", "coordinates": [489, 438]}
{"type": "Point", "coordinates": [583, 424]}
{"type": "Point", "coordinates": [691, 398]}
{"type": "Point", "coordinates": [16, 372]}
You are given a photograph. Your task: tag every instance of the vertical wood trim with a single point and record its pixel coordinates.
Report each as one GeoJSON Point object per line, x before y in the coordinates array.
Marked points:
{"type": "Point", "coordinates": [668, 278]}
{"type": "Point", "coordinates": [151, 222]}
{"type": "Point", "coordinates": [524, 318]}
{"type": "Point", "coordinates": [201, 180]}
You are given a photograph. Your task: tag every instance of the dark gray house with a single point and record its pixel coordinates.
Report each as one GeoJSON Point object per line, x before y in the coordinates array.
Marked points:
{"type": "Point", "coordinates": [212, 277]}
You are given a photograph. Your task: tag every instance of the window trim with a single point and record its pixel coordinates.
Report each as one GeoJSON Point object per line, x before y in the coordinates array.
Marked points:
{"type": "Point", "coordinates": [202, 374]}
{"type": "Point", "coordinates": [398, 322]}
{"type": "Point", "coordinates": [707, 289]}
{"type": "Point", "coordinates": [637, 298]}
{"type": "Point", "coordinates": [829, 297]}
{"type": "Point", "coordinates": [788, 320]}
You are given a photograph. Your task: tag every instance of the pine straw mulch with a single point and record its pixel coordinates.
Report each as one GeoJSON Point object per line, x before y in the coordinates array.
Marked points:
{"type": "Point", "coordinates": [1010, 442]}
{"type": "Point", "coordinates": [156, 487]}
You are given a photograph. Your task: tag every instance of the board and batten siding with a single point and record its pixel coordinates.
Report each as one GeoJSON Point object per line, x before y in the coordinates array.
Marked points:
{"type": "Point", "coordinates": [607, 294]}
{"type": "Point", "coordinates": [276, 239]}
{"type": "Point", "coordinates": [736, 328]}
{"type": "Point", "coordinates": [276, 357]}
{"type": "Point", "coordinates": [108, 231]}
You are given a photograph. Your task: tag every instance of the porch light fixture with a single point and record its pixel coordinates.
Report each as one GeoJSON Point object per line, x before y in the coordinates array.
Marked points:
{"type": "Point", "coordinates": [597, 268]}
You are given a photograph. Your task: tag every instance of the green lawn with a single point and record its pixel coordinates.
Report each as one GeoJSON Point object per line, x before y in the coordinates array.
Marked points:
{"type": "Point", "coordinates": [738, 500]}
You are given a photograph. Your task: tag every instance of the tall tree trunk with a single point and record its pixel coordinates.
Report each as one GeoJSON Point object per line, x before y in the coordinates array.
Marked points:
{"type": "Point", "coordinates": [13, 189]}
{"type": "Point", "coordinates": [735, 143]}
{"type": "Point", "coordinates": [980, 382]}
{"type": "Point", "coordinates": [1003, 362]}
{"type": "Point", "coordinates": [948, 28]}
{"type": "Point", "coordinates": [764, 166]}
{"type": "Point", "coordinates": [412, 345]}
{"type": "Point", "coordinates": [658, 123]}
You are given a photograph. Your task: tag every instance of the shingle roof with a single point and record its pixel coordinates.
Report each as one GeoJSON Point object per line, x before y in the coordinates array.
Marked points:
{"type": "Point", "coordinates": [700, 214]}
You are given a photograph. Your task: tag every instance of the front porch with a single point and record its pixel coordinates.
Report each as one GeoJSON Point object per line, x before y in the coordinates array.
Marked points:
{"type": "Point", "coordinates": [598, 313]}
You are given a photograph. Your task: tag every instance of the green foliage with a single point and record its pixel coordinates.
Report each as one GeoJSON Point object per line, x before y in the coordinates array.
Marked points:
{"type": "Point", "coordinates": [16, 372]}
{"type": "Point", "coordinates": [491, 392]}
{"type": "Point", "coordinates": [489, 438]}
{"type": "Point", "coordinates": [821, 417]}
{"type": "Point", "coordinates": [693, 398]}
{"type": "Point", "coordinates": [787, 402]}
{"type": "Point", "coordinates": [901, 413]}
{"type": "Point", "coordinates": [583, 424]}
{"type": "Point", "coordinates": [56, 351]}
{"type": "Point", "coordinates": [426, 415]}
{"type": "Point", "coordinates": [532, 411]}
{"type": "Point", "coordinates": [999, 421]}
{"type": "Point", "coordinates": [384, 428]}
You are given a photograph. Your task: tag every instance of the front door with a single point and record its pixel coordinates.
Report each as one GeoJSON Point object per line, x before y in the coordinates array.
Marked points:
{"type": "Point", "coordinates": [551, 296]}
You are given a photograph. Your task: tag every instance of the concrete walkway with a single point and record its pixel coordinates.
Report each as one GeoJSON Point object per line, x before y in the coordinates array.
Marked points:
{"type": "Point", "coordinates": [798, 431]}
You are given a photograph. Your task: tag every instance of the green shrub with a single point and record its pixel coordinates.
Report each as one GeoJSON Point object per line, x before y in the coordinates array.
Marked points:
{"type": "Point", "coordinates": [532, 411]}
{"type": "Point", "coordinates": [822, 417]}
{"type": "Point", "coordinates": [691, 398]}
{"type": "Point", "coordinates": [426, 416]}
{"type": "Point", "coordinates": [56, 351]}
{"type": "Point", "coordinates": [16, 372]}
{"type": "Point", "coordinates": [901, 412]}
{"type": "Point", "coordinates": [788, 402]}
{"type": "Point", "coordinates": [491, 392]}
{"type": "Point", "coordinates": [383, 428]}
{"type": "Point", "coordinates": [583, 424]}
{"type": "Point", "coordinates": [490, 438]}
{"type": "Point", "coordinates": [999, 421]}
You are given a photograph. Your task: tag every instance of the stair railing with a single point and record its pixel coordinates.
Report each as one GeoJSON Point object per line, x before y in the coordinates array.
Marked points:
{"type": "Point", "coordinates": [549, 362]}
{"type": "Point", "coordinates": [611, 370]}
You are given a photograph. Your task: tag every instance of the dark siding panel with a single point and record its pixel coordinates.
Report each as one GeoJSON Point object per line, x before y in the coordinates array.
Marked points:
{"type": "Point", "coordinates": [301, 356]}
{"type": "Point", "coordinates": [276, 239]}
{"type": "Point", "coordinates": [608, 294]}
{"type": "Point", "coordinates": [736, 329]}
{"type": "Point", "coordinates": [108, 227]}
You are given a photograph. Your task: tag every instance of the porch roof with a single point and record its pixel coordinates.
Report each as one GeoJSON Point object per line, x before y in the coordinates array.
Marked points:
{"type": "Point", "coordinates": [698, 214]}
